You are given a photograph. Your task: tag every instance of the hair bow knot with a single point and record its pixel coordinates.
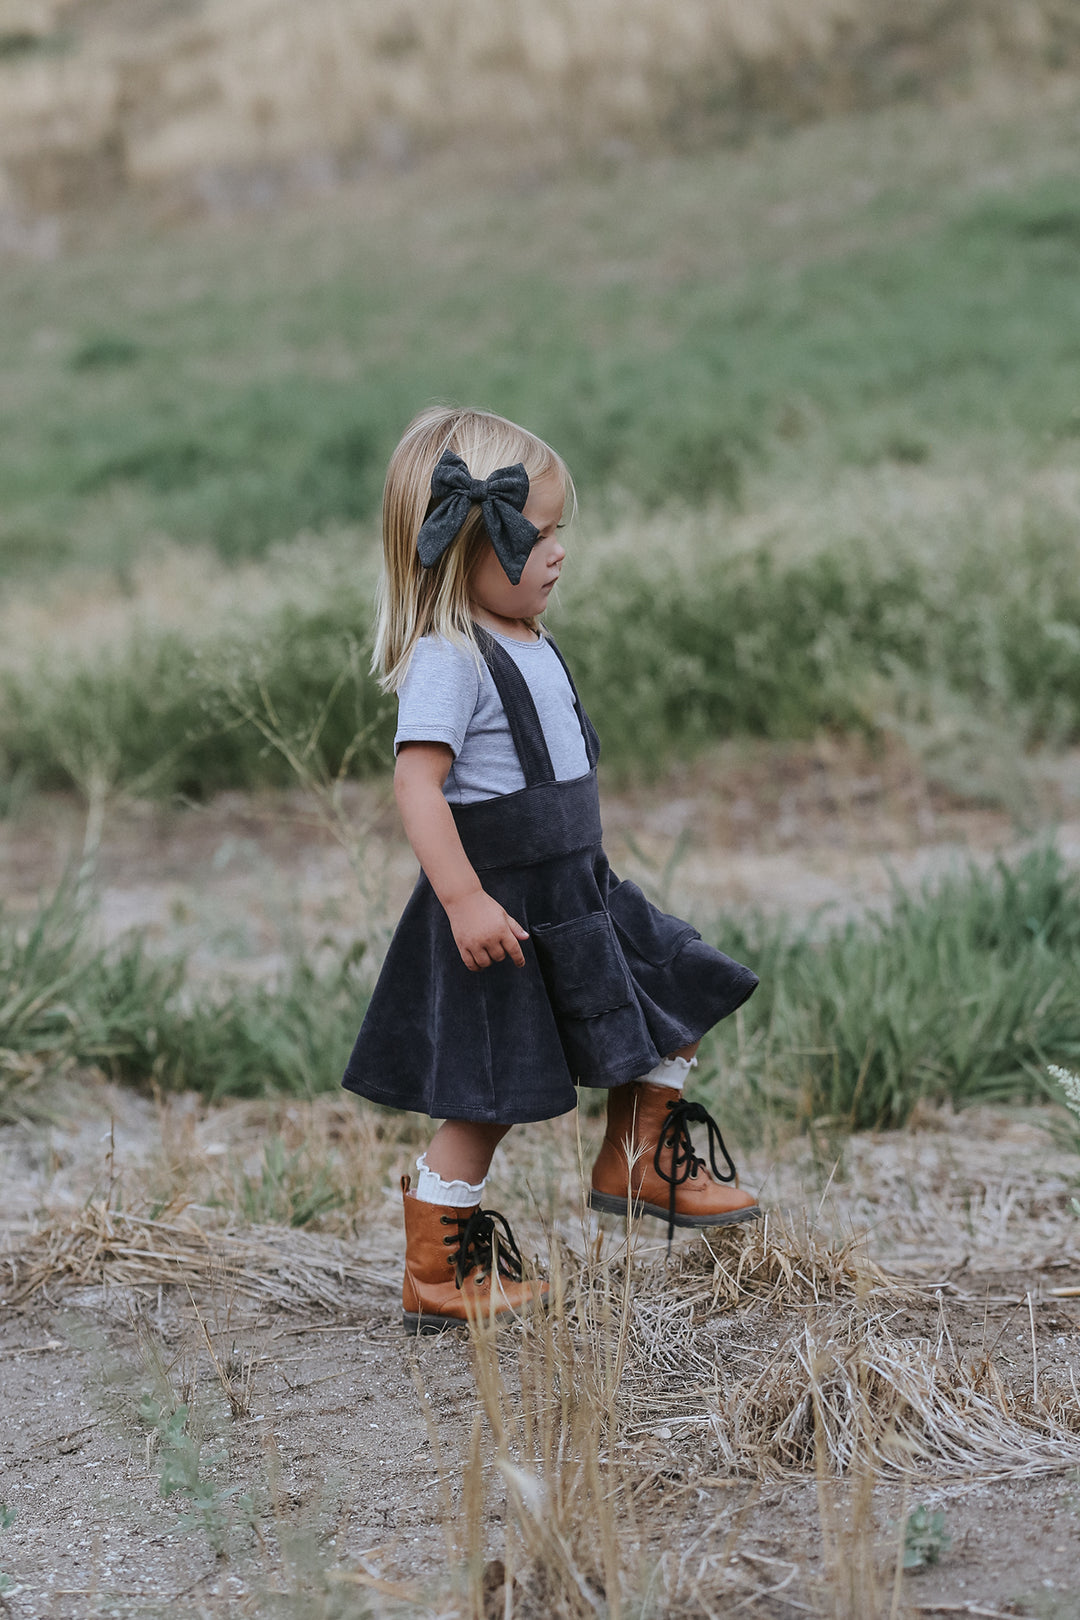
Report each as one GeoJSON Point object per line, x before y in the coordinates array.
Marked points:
{"type": "Point", "coordinates": [501, 499]}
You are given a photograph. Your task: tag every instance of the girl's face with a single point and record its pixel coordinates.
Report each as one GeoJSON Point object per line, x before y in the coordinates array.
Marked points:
{"type": "Point", "coordinates": [489, 588]}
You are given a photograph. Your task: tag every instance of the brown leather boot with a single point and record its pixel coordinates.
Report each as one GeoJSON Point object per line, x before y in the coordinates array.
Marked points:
{"type": "Point", "coordinates": [648, 1154]}
{"type": "Point", "coordinates": [459, 1266]}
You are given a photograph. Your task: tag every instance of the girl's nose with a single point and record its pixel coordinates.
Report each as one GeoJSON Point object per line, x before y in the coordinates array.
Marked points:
{"type": "Point", "coordinates": [558, 552]}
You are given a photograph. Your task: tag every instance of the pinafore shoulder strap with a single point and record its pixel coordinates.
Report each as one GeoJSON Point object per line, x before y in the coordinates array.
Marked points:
{"type": "Point", "coordinates": [521, 715]}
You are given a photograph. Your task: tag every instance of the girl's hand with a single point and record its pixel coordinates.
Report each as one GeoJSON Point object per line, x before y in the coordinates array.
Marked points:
{"type": "Point", "coordinates": [484, 932]}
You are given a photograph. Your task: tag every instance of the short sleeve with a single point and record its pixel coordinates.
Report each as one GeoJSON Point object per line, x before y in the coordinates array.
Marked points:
{"type": "Point", "coordinates": [438, 696]}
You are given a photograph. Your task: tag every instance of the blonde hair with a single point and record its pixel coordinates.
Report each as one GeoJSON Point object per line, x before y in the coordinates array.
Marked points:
{"type": "Point", "coordinates": [414, 601]}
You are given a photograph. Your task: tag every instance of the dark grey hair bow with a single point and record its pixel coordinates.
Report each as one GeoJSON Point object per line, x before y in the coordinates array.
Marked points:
{"type": "Point", "coordinates": [501, 499]}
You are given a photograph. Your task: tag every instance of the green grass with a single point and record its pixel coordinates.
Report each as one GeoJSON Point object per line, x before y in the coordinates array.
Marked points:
{"type": "Point", "coordinates": [960, 993]}
{"type": "Point", "coordinates": [168, 713]}
{"type": "Point", "coordinates": [64, 1001]}
{"type": "Point", "coordinates": [286, 1189]}
{"type": "Point", "coordinates": [240, 388]}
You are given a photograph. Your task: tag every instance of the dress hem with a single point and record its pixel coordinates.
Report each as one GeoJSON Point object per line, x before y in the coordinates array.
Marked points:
{"type": "Point", "coordinates": [634, 1070]}
{"type": "Point", "coordinates": [474, 1116]}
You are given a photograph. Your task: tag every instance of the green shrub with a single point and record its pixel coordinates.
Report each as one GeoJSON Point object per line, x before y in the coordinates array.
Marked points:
{"type": "Point", "coordinates": [674, 645]}
{"type": "Point", "coordinates": [960, 992]}
{"type": "Point", "coordinates": [167, 714]}
{"type": "Point", "coordinates": [137, 1017]}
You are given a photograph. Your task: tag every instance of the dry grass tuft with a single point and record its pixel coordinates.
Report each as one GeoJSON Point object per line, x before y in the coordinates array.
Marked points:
{"type": "Point", "coordinates": [783, 1262]}
{"type": "Point", "coordinates": [101, 1246]}
{"type": "Point", "coordinates": [551, 1402]}
{"type": "Point", "coordinates": [850, 1395]}
{"type": "Point", "coordinates": [759, 1356]}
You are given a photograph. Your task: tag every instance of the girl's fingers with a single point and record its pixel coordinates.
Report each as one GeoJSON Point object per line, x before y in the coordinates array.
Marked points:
{"type": "Point", "coordinates": [514, 951]}
{"type": "Point", "coordinates": [497, 949]}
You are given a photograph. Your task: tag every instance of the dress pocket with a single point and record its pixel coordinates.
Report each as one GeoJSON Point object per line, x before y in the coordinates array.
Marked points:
{"type": "Point", "coordinates": [603, 1034]}
{"type": "Point", "coordinates": [582, 965]}
{"type": "Point", "coordinates": [656, 936]}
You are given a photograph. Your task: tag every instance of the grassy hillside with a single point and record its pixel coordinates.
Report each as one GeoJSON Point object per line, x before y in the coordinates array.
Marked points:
{"type": "Point", "coordinates": [850, 350]}
{"type": "Point", "coordinates": [866, 292]}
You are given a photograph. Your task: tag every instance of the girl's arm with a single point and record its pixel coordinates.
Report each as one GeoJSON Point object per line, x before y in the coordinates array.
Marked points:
{"type": "Point", "coordinates": [483, 931]}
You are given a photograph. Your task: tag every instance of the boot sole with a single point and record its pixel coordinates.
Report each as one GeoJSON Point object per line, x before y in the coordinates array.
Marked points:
{"type": "Point", "coordinates": [424, 1322]}
{"type": "Point", "coordinates": [608, 1204]}
{"type": "Point", "coordinates": [415, 1322]}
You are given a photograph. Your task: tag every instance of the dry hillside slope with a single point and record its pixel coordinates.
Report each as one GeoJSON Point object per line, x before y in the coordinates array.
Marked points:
{"type": "Point", "coordinates": [100, 95]}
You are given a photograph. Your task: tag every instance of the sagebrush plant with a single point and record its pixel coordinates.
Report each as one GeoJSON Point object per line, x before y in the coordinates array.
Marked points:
{"type": "Point", "coordinates": [1070, 1086]}
{"type": "Point", "coordinates": [7, 1519]}
{"type": "Point", "coordinates": [925, 1537]}
{"type": "Point", "coordinates": [160, 1395]}
{"type": "Point", "coordinates": [189, 1469]}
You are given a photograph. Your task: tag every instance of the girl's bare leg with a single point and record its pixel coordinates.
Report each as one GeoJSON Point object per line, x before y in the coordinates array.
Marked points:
{"type": "Point", "coordinates": [686, 1052]}
{"type": "Point", "coordinates": [461, 1149]}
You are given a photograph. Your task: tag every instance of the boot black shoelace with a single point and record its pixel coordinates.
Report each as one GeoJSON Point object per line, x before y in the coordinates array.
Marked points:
{"type": "Point", "coordinates": [675, 1136]}
{"type": "Point", "coordinates": [479, 1245]}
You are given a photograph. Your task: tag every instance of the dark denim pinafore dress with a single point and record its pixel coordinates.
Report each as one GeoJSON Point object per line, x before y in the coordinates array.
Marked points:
{"type": "Point", "coordinates": [610, 984]}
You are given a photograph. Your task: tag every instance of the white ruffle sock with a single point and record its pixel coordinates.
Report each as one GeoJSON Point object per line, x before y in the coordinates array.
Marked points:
{"type": "Point", "coordinates": [672, 1071]}
{"type": "Point", "coordinates": [432, 1189]}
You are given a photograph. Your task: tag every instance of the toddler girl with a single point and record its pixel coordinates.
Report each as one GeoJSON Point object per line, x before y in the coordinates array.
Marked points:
{"type": "Point", "coordinates": [521, 965]}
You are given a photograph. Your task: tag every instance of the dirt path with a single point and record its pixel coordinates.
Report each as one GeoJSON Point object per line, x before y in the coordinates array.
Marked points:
{"type": "Point", "coordinates": [821, 828]}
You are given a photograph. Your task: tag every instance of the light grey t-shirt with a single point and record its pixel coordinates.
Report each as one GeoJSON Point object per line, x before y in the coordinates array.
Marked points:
{"type": "Point", "coordinates": [446, 698]}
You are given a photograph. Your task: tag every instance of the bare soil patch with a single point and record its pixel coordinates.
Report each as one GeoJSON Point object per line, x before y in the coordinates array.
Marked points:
{"type": "Point", "coordinates": [823, 827]}
{"type": "Point", "coordinates": [355, 1478]}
